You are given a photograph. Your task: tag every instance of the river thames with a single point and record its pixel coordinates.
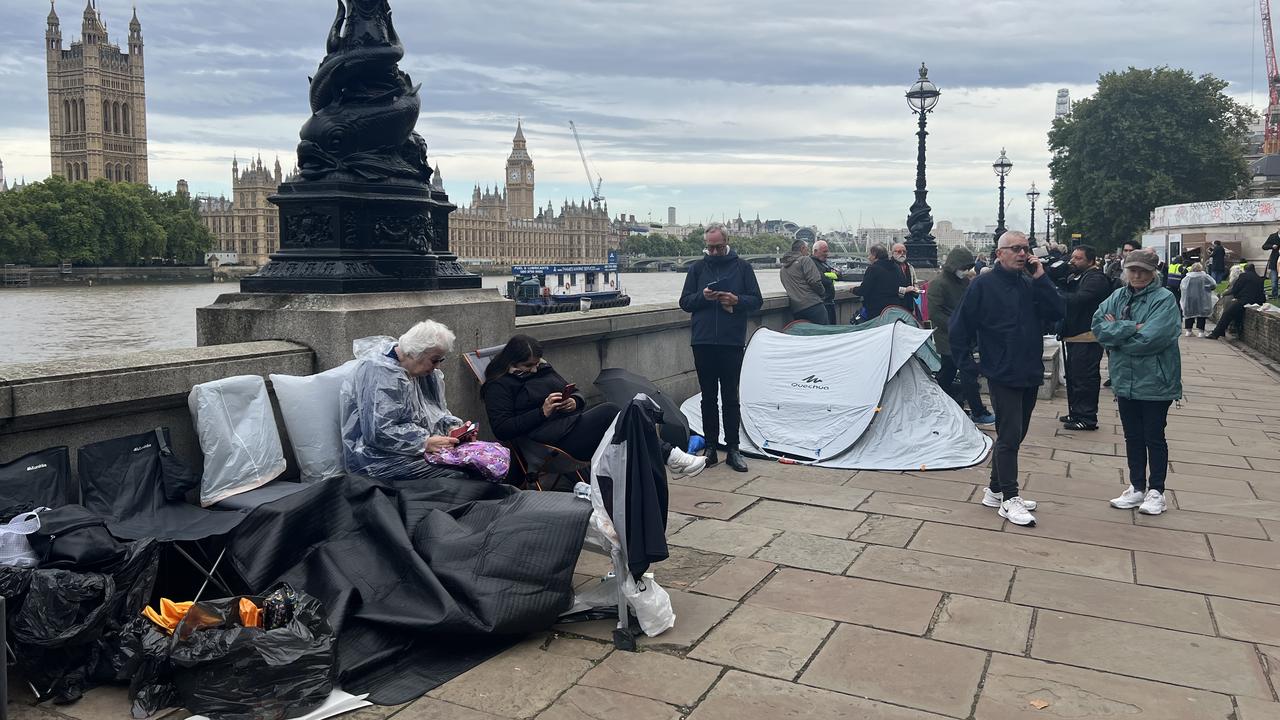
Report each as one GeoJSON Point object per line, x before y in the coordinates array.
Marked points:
{"type": "Point", "coordinates": [55, 323]}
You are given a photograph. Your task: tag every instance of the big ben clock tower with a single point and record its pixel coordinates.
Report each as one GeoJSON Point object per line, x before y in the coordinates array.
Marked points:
{"type": "Point", "coordinates": [519, 179]}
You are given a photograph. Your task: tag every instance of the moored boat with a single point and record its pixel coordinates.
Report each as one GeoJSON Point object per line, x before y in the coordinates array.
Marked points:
{"type": "Point", "coordinates": [542, 289]}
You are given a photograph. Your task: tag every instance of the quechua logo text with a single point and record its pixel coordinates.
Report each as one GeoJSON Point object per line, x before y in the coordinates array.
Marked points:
{"type": "Point", "coordinates": [811, 382]}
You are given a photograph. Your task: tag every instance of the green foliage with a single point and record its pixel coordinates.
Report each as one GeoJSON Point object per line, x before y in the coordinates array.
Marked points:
{"type": "Point", "coordinates": [1147, 137]}
{"type": "Point", "coordinates": [98, 223]}
{"type": "Point", "coordinates": [658, 245]}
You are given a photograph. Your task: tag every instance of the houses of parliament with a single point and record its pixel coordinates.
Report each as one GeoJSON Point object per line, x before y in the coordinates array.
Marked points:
{"type": "Point", "coordinates": [97, 102]}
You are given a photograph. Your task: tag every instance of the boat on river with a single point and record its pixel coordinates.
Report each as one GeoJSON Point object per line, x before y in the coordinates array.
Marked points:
{"type": "Point", "coordinates": [544, 289]}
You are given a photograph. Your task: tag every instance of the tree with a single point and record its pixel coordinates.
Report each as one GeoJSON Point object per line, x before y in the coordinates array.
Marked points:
{"type": "Point", "coordinates": [97, 223]}
{"type": "Point", "coordinates": [1147, 137]}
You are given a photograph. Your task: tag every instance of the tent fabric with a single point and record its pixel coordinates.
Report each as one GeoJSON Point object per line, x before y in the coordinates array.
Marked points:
{"type": "Point", "coordinates": [123, 480]}
{"type": "Point", "coordinates": [928, 352]}
{"type": "Point", "coordinates": [421, 579]}
{"type": "Point", "coordinates": [850, 401]}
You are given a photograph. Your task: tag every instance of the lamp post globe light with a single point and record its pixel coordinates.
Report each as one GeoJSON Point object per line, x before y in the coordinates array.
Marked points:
{"type": "Point", "coordinates": [1033, 194]}
{"type": "Point", "coordinates": [1049, 210]}
{"type": "Point", "coordinates": [922, 97]}
{"type": "Point", "coordinates": [1002, 166]}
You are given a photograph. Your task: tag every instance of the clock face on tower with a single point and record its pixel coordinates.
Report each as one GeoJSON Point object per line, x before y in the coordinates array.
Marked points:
{"type": "Point", "coordinates": [515, 175]}
{"type": "Point", "coordinates": [528, 175]}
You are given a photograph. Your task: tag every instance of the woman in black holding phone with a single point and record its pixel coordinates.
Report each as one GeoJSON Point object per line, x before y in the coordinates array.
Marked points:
{"type": "Point", "coordinates": [525, 397]}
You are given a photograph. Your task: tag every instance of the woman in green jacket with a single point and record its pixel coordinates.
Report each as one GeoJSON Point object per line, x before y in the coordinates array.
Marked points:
{"type": "Point", "coordinates": [1139, 324]}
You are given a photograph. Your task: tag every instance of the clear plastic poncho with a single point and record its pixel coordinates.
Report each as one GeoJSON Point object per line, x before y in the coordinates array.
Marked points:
{"type": "Point", "coordinates": [387, 415]}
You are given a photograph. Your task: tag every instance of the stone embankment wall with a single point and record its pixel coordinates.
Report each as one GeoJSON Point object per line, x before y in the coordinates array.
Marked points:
{"type": "Point", "coordinates": [46, 276]}
{"type": "Point", "coordinates": [1262, 333]}
{"type": "Point", "coordinates": [82, 401]}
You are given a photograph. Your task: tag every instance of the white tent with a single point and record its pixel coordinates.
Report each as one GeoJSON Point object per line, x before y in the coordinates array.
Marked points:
{"type": "Point", "coordinates": [857, 401]}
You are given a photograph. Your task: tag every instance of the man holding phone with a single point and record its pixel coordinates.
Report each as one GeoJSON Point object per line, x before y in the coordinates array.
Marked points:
{"type": "Point", "coordinates": [1003, 311]}
{"type": "Point", "coordinates": [720, 293]}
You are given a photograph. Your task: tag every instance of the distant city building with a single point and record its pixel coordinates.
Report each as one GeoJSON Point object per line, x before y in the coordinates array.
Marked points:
{"type": "Point", "coordinates": [882, 236]}
{"type": "Point", "coordinates": [97, 102]}
{"type": "Point", "coordinates": [671, 215]}
{"type": "Point", "coordinates": [1062, 107]}
{"type": "Point", "coordinates": [4, 184]}
{"type": "Point", "coordinates": [245, 226]}
{"type": "Point", "coordinates": [500, 225]}
{"type": "Point", "coordinates": [947, 236]}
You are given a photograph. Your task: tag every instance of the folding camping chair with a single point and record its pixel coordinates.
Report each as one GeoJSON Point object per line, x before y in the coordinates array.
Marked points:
{"type": "Point", "coordinates": [537, 461]}
{"type": "Point", "coordinates": [123, 480]}
{"type": "Point", "coordinates": [38, 479]}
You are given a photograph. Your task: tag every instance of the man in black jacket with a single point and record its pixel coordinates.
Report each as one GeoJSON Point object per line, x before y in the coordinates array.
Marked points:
{"type": "Point", "coordinates": [1273, 262]}
{"type": "Point", "coordinates": [1004, 311]}
{"type": "Point", "coordinates": [720, 292]}
{"type": "Point", "coordinates": [1218, 261]}
{"type": "Point", "coordinates": [883, 285]}
{"type": "Point", "coordinates": [1086, 288]}
{"type": "Point", "coordinates": [1246, 290]}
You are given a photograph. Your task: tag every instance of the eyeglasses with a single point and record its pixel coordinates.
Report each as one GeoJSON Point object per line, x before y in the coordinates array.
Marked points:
{"type": "Point", "coordinates": [717, 249]}
{"type": "Point", "coordinates": [1017, 249]}
{"type": "Point", "coordinates": [438, 359]}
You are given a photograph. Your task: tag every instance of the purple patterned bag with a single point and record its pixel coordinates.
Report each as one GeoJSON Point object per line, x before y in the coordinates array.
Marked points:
{"type": "Point", "coordinates": [491, 460]}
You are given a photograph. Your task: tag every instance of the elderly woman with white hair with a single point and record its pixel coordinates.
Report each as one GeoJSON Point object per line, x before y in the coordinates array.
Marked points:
{"type": "Point", "coordinates": [394, 407]}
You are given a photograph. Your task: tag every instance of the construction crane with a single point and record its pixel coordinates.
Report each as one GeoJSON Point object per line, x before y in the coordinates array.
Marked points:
{"type": "Point", "coordinates": [596, 197]}
{"type": "Point", "coordinates": [1271, 134]}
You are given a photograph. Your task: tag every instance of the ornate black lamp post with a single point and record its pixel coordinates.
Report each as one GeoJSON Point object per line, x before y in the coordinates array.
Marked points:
{"type": "Point", "coordinates": [1033, 194]}
{"type": "Point", "coordinates": [1049, 210]}
{"type": "Point", "coordinates": [921, 250]}
{"type": "Point", "coordinates": [1002, 166]}
{"type": "Point", "coordinates": [363, 217]}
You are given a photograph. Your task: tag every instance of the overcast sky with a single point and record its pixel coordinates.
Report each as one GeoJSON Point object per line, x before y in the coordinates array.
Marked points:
{"type": "Point", "coordinates": [787, 110]}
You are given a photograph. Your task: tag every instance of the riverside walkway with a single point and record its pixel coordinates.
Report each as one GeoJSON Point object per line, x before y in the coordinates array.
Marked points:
{"type": "Point", "coordinates": [808, 593]}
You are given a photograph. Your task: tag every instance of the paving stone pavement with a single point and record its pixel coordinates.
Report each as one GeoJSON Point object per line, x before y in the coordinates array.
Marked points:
{"type": "Point", "coordinates": [812, 593]}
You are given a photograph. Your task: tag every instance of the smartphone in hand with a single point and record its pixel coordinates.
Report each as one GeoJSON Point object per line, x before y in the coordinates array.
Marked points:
{"type": "Point", "coordinates": [464, 433]}
{"type": "Point", "coordinates": [568, 391]}
{"type": "Point", "coordinates": [716, 286]}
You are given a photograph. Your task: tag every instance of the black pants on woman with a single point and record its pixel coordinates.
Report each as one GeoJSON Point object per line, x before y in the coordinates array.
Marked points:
{"type": "Point", "coordinates": [1144, 442]}
{"type": "Point", "coordinates": [581, 444]}
{"type": "Point", "coordinates": [1198, 322]}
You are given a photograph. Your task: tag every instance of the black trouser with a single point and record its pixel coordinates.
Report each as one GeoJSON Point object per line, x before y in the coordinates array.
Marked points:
{"type": "Point", "coordinates": [831, 312]}
{"type": "Point", "coordinates": [1084, 380]}
{"type": "Point", "coordinates": [1144, 441]}
{"type": "Point", "coordinates": [582, 442]}
{"type": "Point", "coordinates": [719, 368]}
{"type": "Point", "coordinates": [969, 391]}
{"type": "Point", "coordinates": [1013, 406]}
{"type": "Point", "coordinates": [1232, 314]}
{"type": "Point", "coordinates": [1198, 322]}
{"type": "Point", "coordinates": [816, 314]}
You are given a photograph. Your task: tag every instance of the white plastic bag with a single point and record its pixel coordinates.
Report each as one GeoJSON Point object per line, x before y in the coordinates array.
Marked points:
{"type": "Point", "coordinates": [651, 604]}
{"type": "Point", "coordinates": [15, 548]}
{"type": "Point", "coordinates": [312, 410]}
{"type": "Point", "coordinates": [238, 436]}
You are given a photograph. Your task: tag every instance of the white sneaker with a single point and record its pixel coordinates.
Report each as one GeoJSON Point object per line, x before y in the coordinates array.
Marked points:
{"type": "Point", "coordinates": [1186, 333]}
{"type": "Point", "coordinates": [1200, 333]}
{"type": "Point", "coordinates": [1015, 511]}
{"type": "Point", "coordinates": [1152, 503]}
{"type": "Point", "coordinates": [993, 499]}
{"type": "Point", "coordinates": [682, 463]}
{"type": "Point", "coordinates": [1129, 499]}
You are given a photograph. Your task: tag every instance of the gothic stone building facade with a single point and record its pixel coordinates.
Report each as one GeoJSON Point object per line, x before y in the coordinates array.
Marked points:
{"type": "Point", "coordinates": [246, 224]}
{"type": "Point", "coordinates": [97, 102]}
{"type": "Point", "coordinates": [503, 227]}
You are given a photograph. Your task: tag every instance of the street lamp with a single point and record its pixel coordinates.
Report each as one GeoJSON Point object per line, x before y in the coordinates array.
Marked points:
{"type": "Point", "coordinates": [1033, 194]}
{"type": "Point", "coordinates": [1002, 166]}
{"type": "Point", "coordinates": [922, 97]}
{"type": "Point", "coordinates": [1049, 210]}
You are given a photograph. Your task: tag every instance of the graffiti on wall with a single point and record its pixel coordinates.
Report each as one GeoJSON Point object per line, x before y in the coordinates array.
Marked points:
{"type": "Point", "coordinates": [1217, 212]}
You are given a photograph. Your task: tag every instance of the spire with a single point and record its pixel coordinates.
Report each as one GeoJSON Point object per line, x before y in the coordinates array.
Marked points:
{"type": "Point", "coordinates": [53, 14]}
{"type": "Point", "coordinates": [437, 180]}
{"type": "Point", "coordinates": [519, 131]}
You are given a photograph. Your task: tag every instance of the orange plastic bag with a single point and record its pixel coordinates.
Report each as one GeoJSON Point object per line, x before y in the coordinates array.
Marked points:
{"type": "Point", "coordinates": [171, 613]}
{"type": "Point", "coordinates": [250, 614]}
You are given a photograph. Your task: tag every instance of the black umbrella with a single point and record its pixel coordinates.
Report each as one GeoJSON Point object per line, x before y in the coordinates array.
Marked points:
{"type": "Point", "coordinates": [620, 386]}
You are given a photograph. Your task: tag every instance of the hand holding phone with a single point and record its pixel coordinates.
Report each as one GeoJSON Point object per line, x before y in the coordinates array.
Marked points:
{"type": "Point", "coordinates": [568, 390]}
{"type": "Point", "coordinates": [466, 432]}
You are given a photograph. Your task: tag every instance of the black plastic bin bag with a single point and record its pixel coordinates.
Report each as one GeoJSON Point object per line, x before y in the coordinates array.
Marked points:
{"type": "Point", "coordinates": [227, 671]}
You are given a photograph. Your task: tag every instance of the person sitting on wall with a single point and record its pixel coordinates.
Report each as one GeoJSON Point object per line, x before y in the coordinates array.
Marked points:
{"type": "Point", "coordinates": [396, 423]}
{"type": "Point", "coordinates": [1246, 289]}
{"type": "Point", "coordinates": [524, 398]}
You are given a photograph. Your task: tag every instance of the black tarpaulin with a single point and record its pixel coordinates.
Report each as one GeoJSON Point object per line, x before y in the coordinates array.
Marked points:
{"type": "Point", "coordinates": [123, 480]}
{"type": "Point", "coordinates": [421, 579]}
{"type": "Point", "coordinates": [620, 386]}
